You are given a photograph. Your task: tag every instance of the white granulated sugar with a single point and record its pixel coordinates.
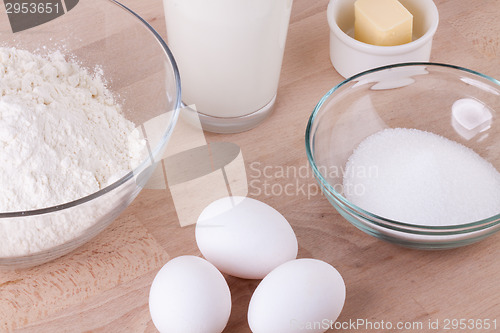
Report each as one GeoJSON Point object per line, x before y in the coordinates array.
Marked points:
{"type": "Point", "coordinates": [62, 137]}
{"type": "Point", "coordinates": [421, 178]}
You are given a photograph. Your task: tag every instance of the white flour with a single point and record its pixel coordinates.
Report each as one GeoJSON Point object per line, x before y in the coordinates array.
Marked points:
{"type": "Point", "coordinates": [62, 137]}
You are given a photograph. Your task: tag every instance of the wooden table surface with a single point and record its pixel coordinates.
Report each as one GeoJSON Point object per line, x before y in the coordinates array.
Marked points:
{"type": "Point", "coordinates": [104, 285]}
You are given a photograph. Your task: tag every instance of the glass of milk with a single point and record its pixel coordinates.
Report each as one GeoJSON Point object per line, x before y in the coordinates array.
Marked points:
{"type": "Point", "coordinates": [229, 54]}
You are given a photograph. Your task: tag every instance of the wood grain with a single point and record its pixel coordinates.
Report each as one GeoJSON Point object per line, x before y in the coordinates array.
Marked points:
{"type": "Point", "coordinates": [103, 287]}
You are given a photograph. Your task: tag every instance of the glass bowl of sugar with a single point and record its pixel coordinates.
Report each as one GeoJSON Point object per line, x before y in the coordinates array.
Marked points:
{"type": "Point", "coordinates": [410, 153]}
{"type": "Point", "coordinates": [89, 97]}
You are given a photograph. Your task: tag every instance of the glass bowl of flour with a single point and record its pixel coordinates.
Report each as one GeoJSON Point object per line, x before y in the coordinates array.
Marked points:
{"type": "Point", "coordinates": [410, 153]}
{"type": "Point", "coordinates": [88, 103]}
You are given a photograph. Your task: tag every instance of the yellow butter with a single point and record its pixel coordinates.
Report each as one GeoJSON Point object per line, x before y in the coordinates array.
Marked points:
{"type": "Point", "coordinates": [382, 22]}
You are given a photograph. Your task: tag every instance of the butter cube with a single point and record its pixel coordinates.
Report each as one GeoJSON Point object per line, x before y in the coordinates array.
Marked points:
{"type": "Point", "coordinates": [382, 22]}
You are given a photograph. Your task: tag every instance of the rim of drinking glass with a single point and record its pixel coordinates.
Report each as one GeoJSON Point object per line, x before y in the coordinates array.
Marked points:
{"type": "Point", "coordinates": [147, 160]}
{"type": "Point", "coordinates": [377, 219]}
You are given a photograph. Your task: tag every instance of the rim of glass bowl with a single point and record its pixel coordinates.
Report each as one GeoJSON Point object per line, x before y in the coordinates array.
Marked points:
{"type": "Point", "coordinates": [154, 152]}
{"type": "Point", "coordinates": [376, 219]}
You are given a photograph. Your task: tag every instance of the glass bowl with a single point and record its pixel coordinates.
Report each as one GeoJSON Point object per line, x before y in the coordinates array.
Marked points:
{"type": "Point", "coordinates": [412, 95]}
{"type": "Point", "coordinates": [141, 72]}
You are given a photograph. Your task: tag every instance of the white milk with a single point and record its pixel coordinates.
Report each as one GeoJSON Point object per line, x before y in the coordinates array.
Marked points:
{"type": "Point", "coordinates": [229, 52]}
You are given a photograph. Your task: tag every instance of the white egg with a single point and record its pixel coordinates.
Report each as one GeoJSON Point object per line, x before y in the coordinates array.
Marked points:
{"type": "Point", "coordinates": [244, 237]}
{"type": "Point", "coordinates": [189, 295]}
{"type": "Point", "coordinates": [303, 295]}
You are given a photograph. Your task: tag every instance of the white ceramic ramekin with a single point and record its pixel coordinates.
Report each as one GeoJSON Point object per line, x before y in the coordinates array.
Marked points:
{"type": "Point", "coordinates": [350, 56]}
